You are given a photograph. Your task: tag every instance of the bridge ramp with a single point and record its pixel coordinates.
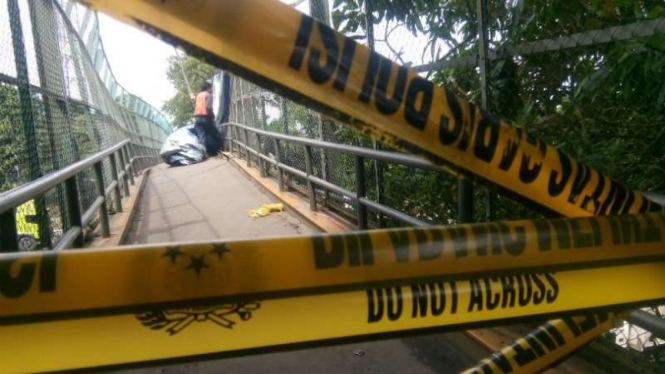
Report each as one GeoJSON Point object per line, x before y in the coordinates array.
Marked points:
{"type": "Point", "coordinates": [210, 201]}
{"type": "Point", "coordinates": [205, 201]}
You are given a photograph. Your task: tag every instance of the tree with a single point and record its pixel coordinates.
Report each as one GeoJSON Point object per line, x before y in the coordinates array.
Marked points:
{"type": "Point", "coordinates": [12, 141]}
{"type": "Point", "coordinates": [180, 106]}
{"type": "Point", "coordinates": [602, 103]}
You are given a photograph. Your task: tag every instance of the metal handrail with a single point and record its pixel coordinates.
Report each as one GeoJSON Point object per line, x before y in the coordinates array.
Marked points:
{"type": "Point", "coordinates": [397, 158]}
{"type": "Point", "coordinates": [30, 190]}
{"type": "Point", "coordinates": [359, 152]}
{"type": "Point", "coordinates": [647, 321]}
{"type": "Point", "coordinates": [130, 156]}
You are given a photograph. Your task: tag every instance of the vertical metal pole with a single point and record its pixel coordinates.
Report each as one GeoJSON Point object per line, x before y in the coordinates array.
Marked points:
{"type": "Point", "coordinates": [237, 141]}
{"type": "Point", "coordinates": [8, 233]}
{"type": "Point", "coordinates": [241, 149]}
{"type": "Point", "coordinates": [242, 102]}
{"type": "Point", "coordinates": [52, 82]}
{"type": "Point", "coordinates": [484, 84]}
{"type": "Point", "coordinates": [74, 209]}
{"type": "Point", "coordinates": [262, 163]}
{"type": "Point", "coordinates": [125, 178]}
{"type": "Point", "coordinates": [140, 160]}
{"type": "Point", "coordinates": [278, 156]}
{"type": "Point", "coordinates": [131, 151]}
{"type": "Point", "coordinates": [116, 190]}
{"type": "Point", "coordinates": [128, 160]}
{"type": "Point", "coordinates": [144, 153]}
{"type": "Point", "coordinates": [230, 135]}
{"type": "Point", "coordinates": [324, 162]}
{"type": "Point", "coordinates": [378, 169]}
{"type": "Point", "coordinates": [103, 208]}
{"type": "Point", "coordinates": [247, 147]}
{"type": "Point", "coordinates": [465, 200]}
{"type": "Point", "coordinates": [311, 192]}
{"type": "Point", "coordinates": [285, 117]}
{"type": "Point", "coordinates": [360, 192]}
{"type": "Point", "coordinates": [29, 132]}
{"type": "Point", "coordinates": [264, 116]}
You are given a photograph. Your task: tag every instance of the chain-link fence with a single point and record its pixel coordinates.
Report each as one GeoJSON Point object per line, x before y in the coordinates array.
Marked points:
{"type": "Point", "coordinates": [60, 104]}
{"type": "Point", "coordinates": [587, 77]}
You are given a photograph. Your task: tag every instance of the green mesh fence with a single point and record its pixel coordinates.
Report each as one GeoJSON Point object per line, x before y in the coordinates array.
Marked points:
{"type": "Point", "coordinates": [60, 104]}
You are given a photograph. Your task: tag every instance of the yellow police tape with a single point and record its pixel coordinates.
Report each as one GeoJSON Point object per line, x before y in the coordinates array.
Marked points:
{"type": "Point", "coordinates": [55, 282]}
{"type": "Point", "coordinates": [309, 62]}
{"type": "Point", "coordinates": [250, 324]}
{"type": "Point", "coordinates": [547, 344]}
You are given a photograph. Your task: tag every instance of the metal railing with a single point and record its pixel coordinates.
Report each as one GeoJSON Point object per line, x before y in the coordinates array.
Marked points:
{"type": "Point", "coordinates": [359, 196]}
{"type": "Point", "coordinates": [132, 158]}
{"type": "Point", "coordinates": [647, 321]}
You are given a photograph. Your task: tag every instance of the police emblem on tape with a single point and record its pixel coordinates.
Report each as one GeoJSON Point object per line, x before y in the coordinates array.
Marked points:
{"type": "Point", "coordinates": [174, 321]}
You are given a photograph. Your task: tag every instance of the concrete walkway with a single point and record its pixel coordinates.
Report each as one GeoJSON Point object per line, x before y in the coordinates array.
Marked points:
{"type": "Point", "coordinates": [210, 201]}
{"type": "Point", "coordinates": [205, 201]}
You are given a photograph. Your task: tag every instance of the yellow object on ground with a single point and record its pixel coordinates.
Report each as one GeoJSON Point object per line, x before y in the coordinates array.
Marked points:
{"type": "Point", "coordinates": [265, 209]}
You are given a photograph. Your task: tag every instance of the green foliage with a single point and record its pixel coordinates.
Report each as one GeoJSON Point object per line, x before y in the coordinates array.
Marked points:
{"type": "Point", "coordinates": [602, 104]}
{"type": "Point", "coordinates": [181, 106]}
{"type": "Point", "coordinates": [12, 142]}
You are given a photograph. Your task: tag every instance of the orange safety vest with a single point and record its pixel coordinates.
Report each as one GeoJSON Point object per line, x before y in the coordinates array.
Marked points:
{"type": "Point", "coordinates": [200, 108]}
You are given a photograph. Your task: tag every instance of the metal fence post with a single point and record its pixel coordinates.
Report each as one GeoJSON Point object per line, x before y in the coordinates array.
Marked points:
{"type": "Point", "coordinates": [144, 161]}
{"type": "Point", "coordinates": [74, 209]}
{"type": "Point", "coordinates": [8, 234]}
{"type": "Point", "coordinates": [262, 164]}
{"type": "Point", "coordinates": [465, 200]}
{"type": "Point", "coordinates": [311, 192]}
{"type": "Point", "coordinates": [237, 141]}
{"type": "Point", "coordinates": [360, 192]}
{"type": "Point", "coordinates": [116, 189]}
{"type": "Point", "coordinates": [131, 151]}
{"type": "Point", "coordinates": [378, 169]}
{"type": "Point", "coordinates": [483, 60]}
{"type": "Point", "coordinates": [125, 178]}
{"type": "Point", "coordinates": [103, 208]}
{"type": "Point", "coordinates": [231, 136]}
{"type": "Point", "coordinates": [247, 152]}
{"type": "Point", "coordinates": [27, 118]}
{"type": "Point", "coordinates": [278, 156]}
{"type": "Point", "coordinates": [128, 167]}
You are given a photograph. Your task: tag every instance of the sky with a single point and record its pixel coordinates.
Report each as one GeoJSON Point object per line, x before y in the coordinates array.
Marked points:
{"type": "Point", "coordinates": [139, 61]}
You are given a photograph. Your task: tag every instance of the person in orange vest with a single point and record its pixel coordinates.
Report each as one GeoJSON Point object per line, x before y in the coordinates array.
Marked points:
{"type": "Point", "coordinates": [204, 120]}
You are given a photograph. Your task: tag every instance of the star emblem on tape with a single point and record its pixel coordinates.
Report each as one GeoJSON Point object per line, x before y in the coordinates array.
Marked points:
{"type": "Point", "coordinates": [219, 249]}
{"type": "Point", "coordinates": [173, 252]}
{"type": "Point", "coordinates": [196, 262]}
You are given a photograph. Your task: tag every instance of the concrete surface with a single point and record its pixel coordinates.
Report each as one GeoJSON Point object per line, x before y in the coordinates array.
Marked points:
{"type": "Point", "coordinates": [209, 201]}
{"type": "Point", "coordinates": [433, 354]}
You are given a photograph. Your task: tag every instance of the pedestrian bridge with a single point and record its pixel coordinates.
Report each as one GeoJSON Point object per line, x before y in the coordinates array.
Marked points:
{"type": "Point", "coordinates": [210, 202]}
{"type": "Point", "coordinates": [114, 261]}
